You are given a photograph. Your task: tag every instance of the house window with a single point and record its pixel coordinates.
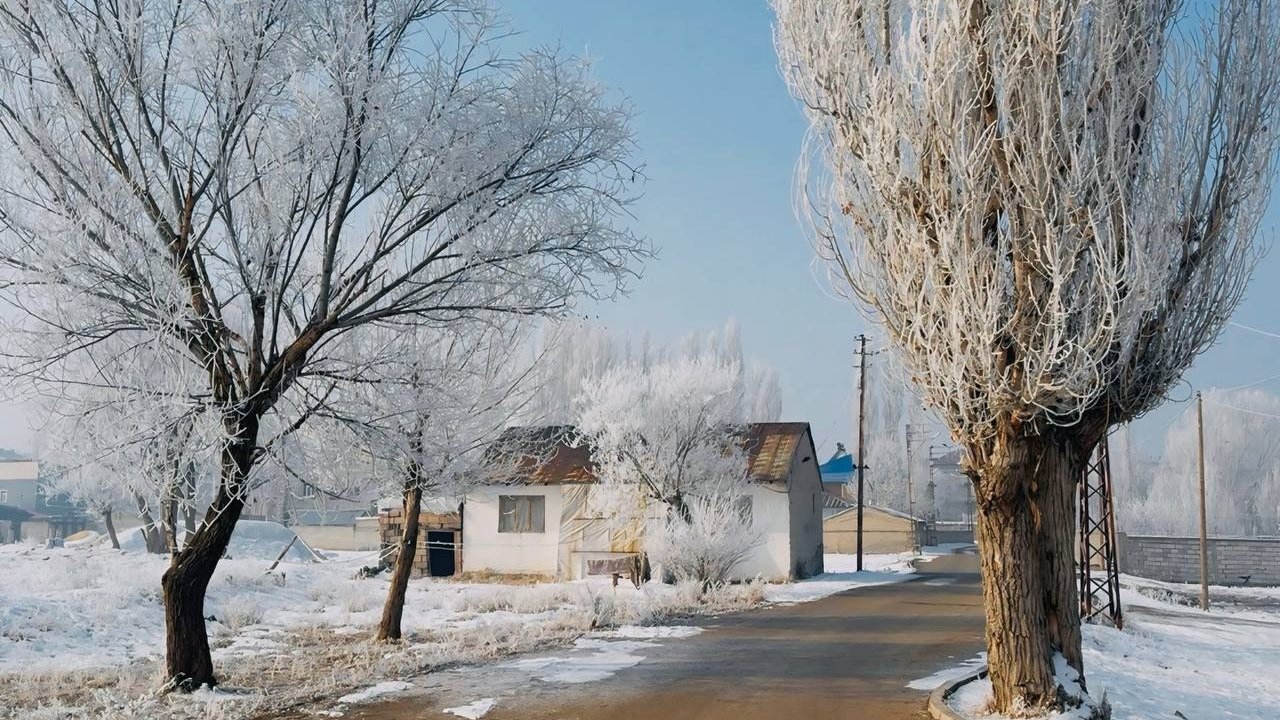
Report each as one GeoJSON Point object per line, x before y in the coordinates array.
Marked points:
{"type": "Point", "coordinates": [4, 496]}
{"type": "Point", "coordinates": [745, 509]}
{"type": "Point", "coordinates": [521, 513]}
{"type": "Point", "coordinates": [308, 491]}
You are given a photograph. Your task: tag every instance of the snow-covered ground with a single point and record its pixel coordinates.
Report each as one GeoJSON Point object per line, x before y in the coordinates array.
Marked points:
{"type": "Point", "coordinates": [91, 611]}
{"type": "Point", "coordinates": [1172, 661]}
{"type": "Point", "coordinates": [840, 575]}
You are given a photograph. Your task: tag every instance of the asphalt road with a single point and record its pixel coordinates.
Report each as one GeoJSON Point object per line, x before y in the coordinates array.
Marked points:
{"type": "Point", "coordinates": [846, 656]}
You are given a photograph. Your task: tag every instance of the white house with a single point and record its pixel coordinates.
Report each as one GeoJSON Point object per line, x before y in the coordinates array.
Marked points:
{"type": "Point", "coordinates": [542, 523]}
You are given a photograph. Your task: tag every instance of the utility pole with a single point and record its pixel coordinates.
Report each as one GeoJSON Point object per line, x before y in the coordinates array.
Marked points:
{"type": "Point", "coordinates": [1204, 532]}
{"type": "Point", "coordinates": [862, 414]}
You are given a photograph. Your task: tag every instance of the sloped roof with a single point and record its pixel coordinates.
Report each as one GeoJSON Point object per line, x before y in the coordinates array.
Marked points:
{"type": "Point", "coordinates": [557, 454]}
{"type": "Point", "coordinates": [840, 464]}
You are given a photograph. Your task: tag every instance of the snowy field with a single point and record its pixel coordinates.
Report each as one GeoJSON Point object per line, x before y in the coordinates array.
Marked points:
{"type": "Point", "coordinates": [92, 616]}
{"type": "Point", "coordinates": [1172, 661]}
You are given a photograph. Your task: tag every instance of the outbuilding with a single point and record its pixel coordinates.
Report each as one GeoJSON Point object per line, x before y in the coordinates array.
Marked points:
{"type": "Point", "coordinates": [542, 523]}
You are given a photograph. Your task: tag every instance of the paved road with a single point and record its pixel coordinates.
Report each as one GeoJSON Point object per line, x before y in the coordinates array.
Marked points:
{"type": "Point", "coordinates": [846, 656]}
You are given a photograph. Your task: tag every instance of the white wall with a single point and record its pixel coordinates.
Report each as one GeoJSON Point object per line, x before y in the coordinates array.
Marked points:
{"type": "Point", "coordinates": [484, 549]}
{"type": "Point", "coordinates": [770, 519]}
{"type": "Point", "coordinates": [806, 513]}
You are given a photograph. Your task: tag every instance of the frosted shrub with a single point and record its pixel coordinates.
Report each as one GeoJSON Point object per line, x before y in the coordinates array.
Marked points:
{"type": "Point", "coordinates": [239, 612]}
{"type": "Point", "coordinates": [705, 546]}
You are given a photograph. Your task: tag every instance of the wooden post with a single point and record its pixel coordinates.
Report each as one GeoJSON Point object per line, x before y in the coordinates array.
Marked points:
{"type": "Point", "coordinates": [862, 412]}
{"type": "Point", "coordinates": [1204, 531]}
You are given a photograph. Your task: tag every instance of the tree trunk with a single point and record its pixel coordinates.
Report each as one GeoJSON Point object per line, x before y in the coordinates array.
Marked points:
{"type": "Point", "coordinates": [188, 664]}
{"type": "Point", "coordinates": [393, 609]}
{"type": "Point", "coordinates": [1026, 528]}
{"type": "Point", "coordinates": [151, 534]}
{"type": "Point", "coordinates": [111, 528]}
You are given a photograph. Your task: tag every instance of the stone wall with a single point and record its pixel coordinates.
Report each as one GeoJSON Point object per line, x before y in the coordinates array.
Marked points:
{"type": "Point", "coordinates": [1177, 559]}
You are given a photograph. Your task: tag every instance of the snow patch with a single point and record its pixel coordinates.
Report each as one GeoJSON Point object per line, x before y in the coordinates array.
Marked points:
{"type": "Point", "coordinates": [644, 632]}
{"type": "Point", "coordinates": [929, 682]}
{"type": "Point", "coordinates": [841, 575]}
{"type": "Point", "coordinates": [473, 711]}
{"type": "Point", "coordinates": [388, 687]}
{"type": "Point", "coordinates": [601, 659]}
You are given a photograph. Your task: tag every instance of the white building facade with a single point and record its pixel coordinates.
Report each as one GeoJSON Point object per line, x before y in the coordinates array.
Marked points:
{"type": "Point", "coordinates": [543, 523]}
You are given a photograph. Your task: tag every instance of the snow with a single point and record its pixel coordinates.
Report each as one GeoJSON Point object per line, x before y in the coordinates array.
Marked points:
{"type": "Point", "coordinates": [929, 682]}
{"type": "Point", "coordinates": [642, 632]}
{"type": "Point", "coordinates": [473, 711]}
{"type": "Point", "coordinates": [601, 659]}
{"type": "Point", "coordinates": [841, 575]}
{"type": "Point", "coordinates": [382, 689]}
{"type": "Point", "coordinates": [1172, 659]}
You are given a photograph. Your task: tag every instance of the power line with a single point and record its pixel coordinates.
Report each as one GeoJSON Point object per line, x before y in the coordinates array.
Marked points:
{"type": "Point", "coordinates": [1243, 410]}
{"type": "Point", "coordinates": [1242, 326]}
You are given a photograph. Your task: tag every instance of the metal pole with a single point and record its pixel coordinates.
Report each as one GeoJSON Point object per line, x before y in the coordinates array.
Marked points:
{"type": "Point", "coordinates": [862, 413]}
{"type": "Point", "coordinates": [1204, 532]}
{"type": "Point", "coordinates": [911, 502]}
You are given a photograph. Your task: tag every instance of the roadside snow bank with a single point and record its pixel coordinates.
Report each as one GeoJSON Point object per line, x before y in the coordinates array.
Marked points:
{"type": "Point", "coordinates": [1173, 661]}
{"type": "Point", "coordinates": [841, 574]}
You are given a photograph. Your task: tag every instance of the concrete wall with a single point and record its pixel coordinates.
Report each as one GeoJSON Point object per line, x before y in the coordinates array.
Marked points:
{"type": "Point", "coordinates": [362, 535]}
{"type": "Point", "coordinates": [1177, 559]}
{"type": "Point", "coordinates": [806, 513]}
{"type": "Point", "coordinates": [484, 549]}
{"type": "Point", "coordinates": [881, 532]}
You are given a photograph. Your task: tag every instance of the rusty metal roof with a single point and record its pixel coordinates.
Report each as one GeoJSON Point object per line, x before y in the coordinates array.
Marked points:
{"type": "Point", "coordinates": [557, 454]}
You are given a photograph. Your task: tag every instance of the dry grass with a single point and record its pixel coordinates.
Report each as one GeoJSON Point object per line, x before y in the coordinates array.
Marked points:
{"type": "Point", "coordinates": [308, 667]}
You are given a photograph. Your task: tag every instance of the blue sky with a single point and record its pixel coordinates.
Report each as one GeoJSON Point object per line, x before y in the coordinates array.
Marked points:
{"type": "Point", "coordinates": [719, 135]}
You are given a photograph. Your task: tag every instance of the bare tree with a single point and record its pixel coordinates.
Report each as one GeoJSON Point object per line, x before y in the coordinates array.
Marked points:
{"type": "Point", "coordinates": [1051, 208]}
{"type": "Point", "coordinates": [241, 184]}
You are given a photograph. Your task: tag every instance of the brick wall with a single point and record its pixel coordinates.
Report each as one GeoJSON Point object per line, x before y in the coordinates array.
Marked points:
{"type": "Point", "coordinates": [1177, 559]}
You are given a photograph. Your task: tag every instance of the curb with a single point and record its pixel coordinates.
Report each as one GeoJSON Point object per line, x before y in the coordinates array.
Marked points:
{"type": "Point", "coordinates": [938, 708]}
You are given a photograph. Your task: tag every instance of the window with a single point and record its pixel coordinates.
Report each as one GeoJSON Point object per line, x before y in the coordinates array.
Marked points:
{"type": "Point", "coordinates": [745, 509]}
{"type": "Point", "coordinates": [521, 513]}
{"type": "Point", "coordinates": [4, 496]}
{"type": "Point", "coordinates": [308, 490]}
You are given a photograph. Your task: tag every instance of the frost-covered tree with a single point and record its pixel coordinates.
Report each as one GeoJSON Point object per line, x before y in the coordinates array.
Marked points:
{"type": "Point", "coordinates": [1242, 471]}
{"type": "Point", "coordinates": [426, 402]}
{"type": "Point", "coordinates": [1050, 207]}
{"type": "Point", "coordinates": [238, 185]}
{"type": "Point", "coordinates": [574, 353]}
{"type": "Point", "coordinates": [666, 434]}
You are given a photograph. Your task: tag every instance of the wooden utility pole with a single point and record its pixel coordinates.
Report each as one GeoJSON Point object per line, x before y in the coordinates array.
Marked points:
{"type": "Point", "coordinates": [862, 415]}
{"type": "Point", "coordinates": [1204, 531]}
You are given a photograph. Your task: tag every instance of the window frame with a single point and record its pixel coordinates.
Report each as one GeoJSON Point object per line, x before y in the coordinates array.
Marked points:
{"type": "Point", "coordinates": [532, 505]}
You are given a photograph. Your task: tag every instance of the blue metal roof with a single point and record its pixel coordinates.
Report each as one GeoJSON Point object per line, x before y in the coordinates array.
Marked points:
{"type": "Point", "coordinates": [839, 466]}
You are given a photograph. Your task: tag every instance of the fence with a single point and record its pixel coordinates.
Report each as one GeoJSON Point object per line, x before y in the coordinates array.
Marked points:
{"type": "Point", "coordinates": [1177, 559]}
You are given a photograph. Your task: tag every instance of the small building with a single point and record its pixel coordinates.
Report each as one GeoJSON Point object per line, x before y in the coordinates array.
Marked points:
{"type": "Point", "coordinates": [439, 547]}
{"type": "Point", "coordinates": [883, 530]}
{"type": "Point", "coordinates": [837, 472]}
{"type": "Point", "coordinates": [541, 522]}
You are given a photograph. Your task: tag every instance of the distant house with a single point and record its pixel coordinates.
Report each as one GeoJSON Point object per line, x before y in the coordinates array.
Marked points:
{"type": "Point", "coordinates": [883, 530]}
{"type": "Point", "coordinates": [838, 472]}
{"type": "Point", "coordinates": [26, 511]}
{"type": "Point", "coordinates": [542, 523]}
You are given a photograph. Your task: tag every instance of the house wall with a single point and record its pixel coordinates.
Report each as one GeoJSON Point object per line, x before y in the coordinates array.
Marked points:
{"type": "Point", "coordinates": [19, 492]}
{"type": "Point", "coordinates": [770, 518]}
{"type": "Point", "coordinates": [484, 549]}
{"type": "Point", "coordinates": [806, 513]}
{"type": "Point", "coordinates": [881, 532]}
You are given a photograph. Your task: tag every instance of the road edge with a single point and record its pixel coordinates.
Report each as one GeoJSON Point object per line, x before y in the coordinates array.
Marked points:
{"type": "Point", "coordinates": [938, 708]}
